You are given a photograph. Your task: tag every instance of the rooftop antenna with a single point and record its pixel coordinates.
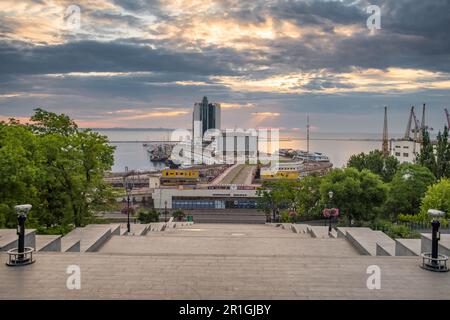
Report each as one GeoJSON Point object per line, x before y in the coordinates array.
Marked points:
{"type": "Point", "coordinates": [385, 135]}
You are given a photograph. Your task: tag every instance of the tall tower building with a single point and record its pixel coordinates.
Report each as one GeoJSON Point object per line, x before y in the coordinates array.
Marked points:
{"type": "Point", "coordinates": [205, 116]}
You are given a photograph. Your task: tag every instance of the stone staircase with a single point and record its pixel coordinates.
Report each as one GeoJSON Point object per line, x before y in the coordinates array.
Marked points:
{"type": "Point", "coordinates": [236, 216]}
{"type": "Point", "coordinates": [48, 243]}
{"type": "Point", "coordinates": [444, 243]}
{"type": "Point", "coordinates": [8, 239]}
{"type": "Point", "coordinates": [92, 238]}
{"type": "Point", "coordinates": [367, 241]}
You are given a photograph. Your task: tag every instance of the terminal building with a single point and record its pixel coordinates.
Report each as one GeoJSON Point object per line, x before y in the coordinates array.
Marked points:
{"type": "Point", "coordinates": [230, 197]}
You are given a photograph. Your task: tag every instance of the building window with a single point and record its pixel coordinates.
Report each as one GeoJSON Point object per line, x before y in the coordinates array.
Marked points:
{"type": "Point", "coordinates": [397, 154]}
{"type": "Point", "coordinates": [406, 155]}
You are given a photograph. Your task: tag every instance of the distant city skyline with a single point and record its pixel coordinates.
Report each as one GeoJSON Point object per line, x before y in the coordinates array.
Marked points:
{"type": "Point", "coordinates": [144, 63]}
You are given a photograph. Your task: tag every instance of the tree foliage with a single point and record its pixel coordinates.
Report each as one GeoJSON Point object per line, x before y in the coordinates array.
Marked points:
{"type": "Point", "coordinates": [147, 216]}
{"type": "Point", "coordinates": [443, 155]}
{"type": "Point", "coordinates": [56, 167]}
{"type": "Point", "coordinates": [307, 196]}
{"type": "Point", "coordinates": [359, 195]}
{"type": "Point", "coordinates": [276, 195]}
{"type": "Point", "coordinates": [407, 189]}
{"type": "Point", "coordinates": [426, 156]}
{"type": "Point", "coordinates": [437, 197]}
{"type": "Point", "coordinates": [376, 162]}
{"type": "Point", "coordinates": [436, 159]}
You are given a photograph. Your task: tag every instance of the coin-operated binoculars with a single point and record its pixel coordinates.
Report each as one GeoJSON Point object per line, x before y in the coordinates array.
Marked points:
{"type": "Point", "coordinates": [22, 255]}
{"type": "Point", "coordinates": [434, 261]}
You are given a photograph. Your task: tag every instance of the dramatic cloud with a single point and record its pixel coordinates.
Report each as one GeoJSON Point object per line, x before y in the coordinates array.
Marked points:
{"type": "Point", "coordinates": [143, 63]}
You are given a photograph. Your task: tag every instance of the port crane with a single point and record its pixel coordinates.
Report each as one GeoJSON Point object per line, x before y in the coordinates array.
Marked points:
{"type": "Point", "coordinates": [448, 117]}
{"type": "Point", "coordinates": [412, 120]}
{"type": "Point", "coordinates": [418, 126]}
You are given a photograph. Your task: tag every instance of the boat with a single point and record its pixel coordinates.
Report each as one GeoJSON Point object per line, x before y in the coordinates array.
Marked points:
{"type": "Point", "coordinates": [159, 152]}
{"type": "Point", "coordinates": [311, 157]}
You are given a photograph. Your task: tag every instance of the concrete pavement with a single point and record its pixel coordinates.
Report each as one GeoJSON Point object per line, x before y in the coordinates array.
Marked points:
{"type": "Point", "coordinates": [222, 262]}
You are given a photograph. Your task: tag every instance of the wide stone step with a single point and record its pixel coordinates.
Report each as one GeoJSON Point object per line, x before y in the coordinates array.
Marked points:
{"type": "Point", "coordinates": [407, 247]}
{"type": "Point", "coordinates": [342, 231]}
{"type": "Point", "coordinates": [9, 239]}
{"type": "Point", "coordinates": [444, 243]}
{"type": "Point", "coordinates": [366, 241]}
{"type": "Point", "coordinates": [46, 243]}
{"type": "Point", "coordinates": [221, 277]}
{"type": "Point", "coordinates": [156, 227]}
{"type": "Point", "coordinates": [90, 238]}
{"type": "Point", "coordinates": [318, 232]}
{"type": "Point", "coordinates": [222, 216]}
{"type": "Point", "coordinates": [136, 229]}
{"type": "Point", "coordinates": [70, 244]}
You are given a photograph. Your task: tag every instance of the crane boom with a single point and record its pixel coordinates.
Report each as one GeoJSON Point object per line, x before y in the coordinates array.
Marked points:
{"type": "Point", "coordinates": [408, 125]}
{"type": "Point", "coordinates": [448, 117]}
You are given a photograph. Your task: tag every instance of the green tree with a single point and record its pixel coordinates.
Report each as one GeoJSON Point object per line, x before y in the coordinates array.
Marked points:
{"type": "Point", "coordinates": [18, 171]}
{"type": "Point", "coordinates": [426, 157]}
{"type": "Point", "coordinates": [359, 195]}
{"type": "Point", "coordinates": [437, 197]}
{"type": "Point", "coordinates": [147, 216]}
{"type": "Point", "coordinates": [375, 161]}
{"type": "Point", "coordinates": [443, 155]}
{"type": "Point", "coordinates": [44, 122]}
{"type": "Point", "coordinates": [178, 214]}
{"type": "Point", "coordinates": [307, 196]}
{"type": "Point", "coordinates": [276, 195]}
{"type": "Point", "coordinates": [407, 189]}
{"type": "Point", "coordinates": [56, 167]}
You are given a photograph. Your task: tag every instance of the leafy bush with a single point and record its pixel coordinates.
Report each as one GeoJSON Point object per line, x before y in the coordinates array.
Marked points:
{"type": "Point", "coordinates": [393, 230]}
{"type": "Point", "coordinates": [287, 217]}
{"type": "Point", "coordinates": [178, 214]}
{"type": "Point", "coordinates": [413, 218]}
{"type": "Point", "coordinates": [55, 230]}
{"type": "Point", "coordinates": [147, 216]}
{"type": "Point", "coordinates": [420, 219]}
{"type": "Point", "coordinates": [401, 231]}
{"type": "Point", "coordinates": [437, 197]}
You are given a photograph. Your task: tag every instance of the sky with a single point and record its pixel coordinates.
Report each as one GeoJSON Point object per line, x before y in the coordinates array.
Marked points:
{"type": "Point", "coordinates": [144, 63]}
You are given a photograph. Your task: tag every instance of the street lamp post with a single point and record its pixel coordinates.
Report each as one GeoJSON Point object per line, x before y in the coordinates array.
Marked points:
{"type": "Point", "coordinates": [165, 211]}
{"type": "Point", "coordinates": [128, 188]}
{"type": "Point", "coordinates": [330, 196]}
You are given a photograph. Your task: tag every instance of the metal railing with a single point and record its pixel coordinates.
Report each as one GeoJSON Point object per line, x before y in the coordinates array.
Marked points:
{"type": "Point", "coordinates": [17, 258]}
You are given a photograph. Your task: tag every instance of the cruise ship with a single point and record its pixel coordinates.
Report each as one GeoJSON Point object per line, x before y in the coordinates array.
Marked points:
{"type": "Point", "coordinates": [301, 155]}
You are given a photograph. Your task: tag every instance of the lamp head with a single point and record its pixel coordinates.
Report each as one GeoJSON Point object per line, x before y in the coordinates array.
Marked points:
{"type": "Point", "coordinates": [330, 194]}
{"type": "Point", "coordinates": [435, 213]}
{"type": "Point", "coordinates": [23, 209]}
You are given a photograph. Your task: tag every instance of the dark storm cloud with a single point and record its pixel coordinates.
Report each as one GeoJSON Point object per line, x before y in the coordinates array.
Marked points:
{"type": "Point", "coordinates": [313, 12]}
{"type": "Point", "coordinates": [415, 17]}
{"type": "Point", "coordinates": [93, 56]}
{"type": "Point", "coordinates": [112, 17]}
{"type": "Point", "coordinates": [139, 5]}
